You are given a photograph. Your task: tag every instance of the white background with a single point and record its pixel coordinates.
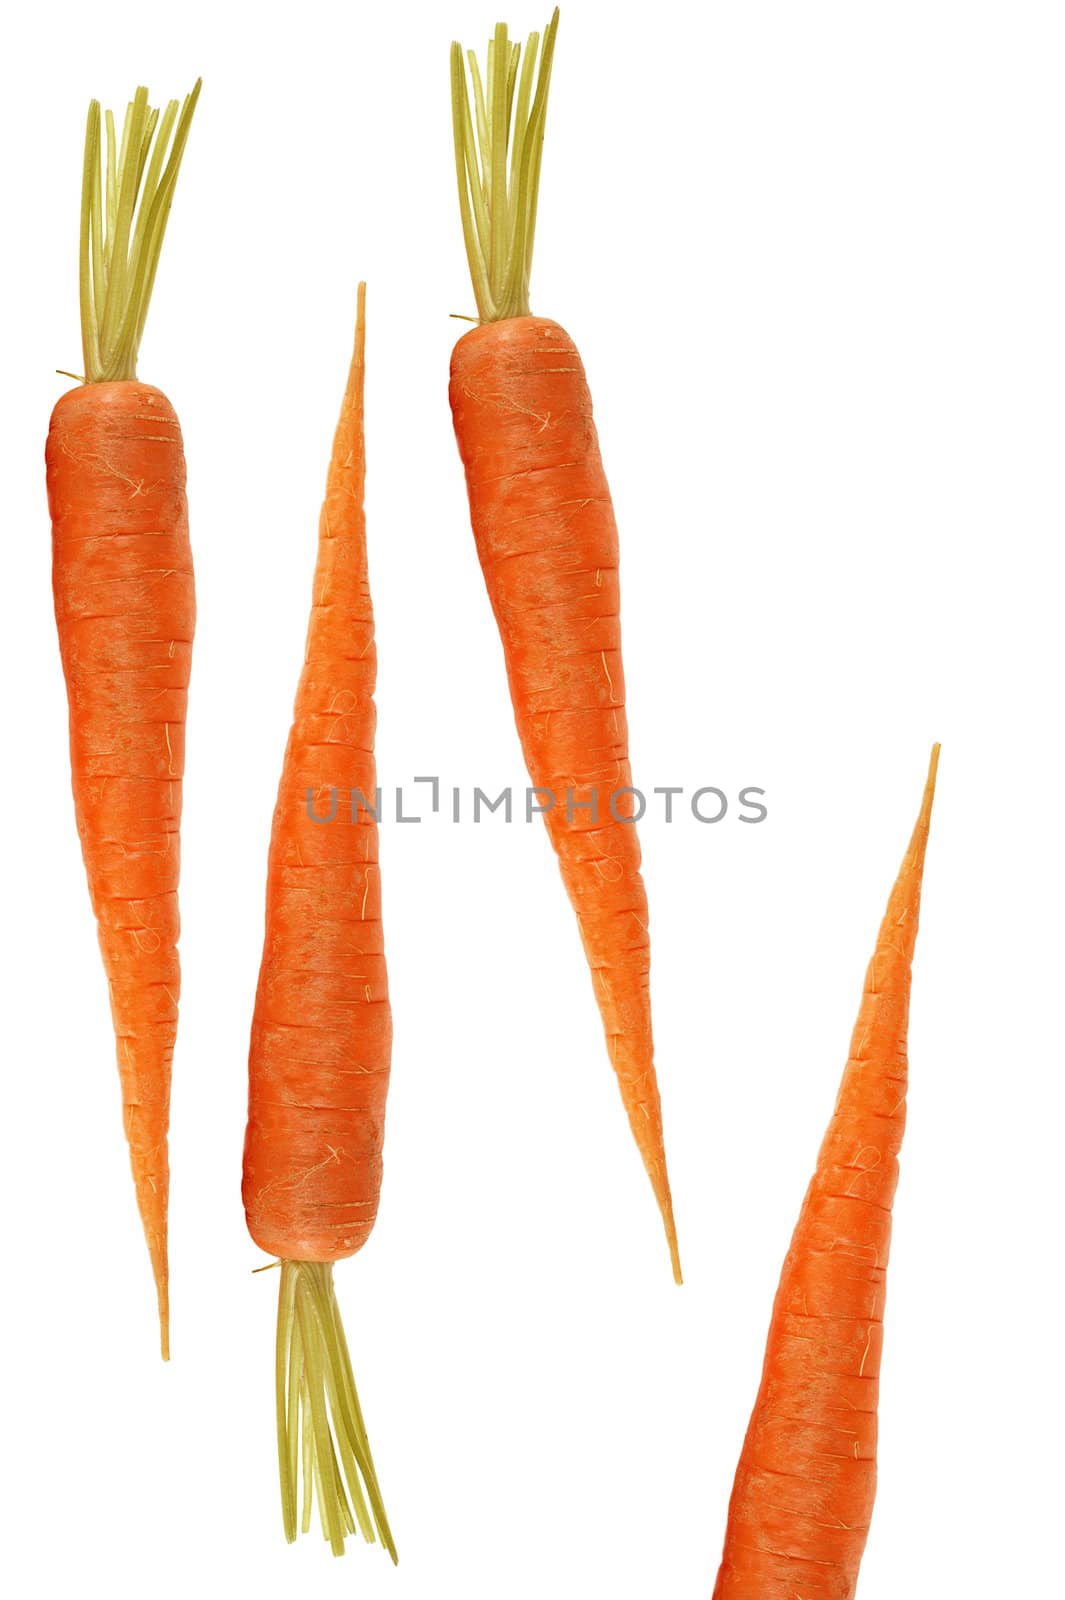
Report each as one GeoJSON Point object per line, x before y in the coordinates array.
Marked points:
{"type": "Point", "coordinates": [814, 258]}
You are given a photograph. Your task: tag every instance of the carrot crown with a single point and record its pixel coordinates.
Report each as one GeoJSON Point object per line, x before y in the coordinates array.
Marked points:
{"type": "Point", "coordinates": [121, 239]}
{"type": "Point", "coordinates": [321, 1434]}
{"type": "Point", "coordinates": [498, 146]}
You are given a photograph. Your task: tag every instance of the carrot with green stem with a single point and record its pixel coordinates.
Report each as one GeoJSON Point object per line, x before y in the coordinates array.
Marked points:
{"type": "Point", "coordinates": [125, 610]}
{"type": "Point", "coordinates": [806, 1480]}
{"type": "Point", "coordinates": [548, 546]}
{"type": "Point", "coordinates": [322, 1031]}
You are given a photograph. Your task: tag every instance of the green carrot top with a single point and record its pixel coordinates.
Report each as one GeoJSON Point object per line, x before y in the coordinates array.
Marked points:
{"type": "Point", "coordinates": [121, 240]}
{"type": "Point", "coordinates": [499, 208]}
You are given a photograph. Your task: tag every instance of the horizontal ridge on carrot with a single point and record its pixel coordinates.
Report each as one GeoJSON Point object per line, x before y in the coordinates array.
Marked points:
{"type": "Point", "coordinates": [321, 1037]}
{"type": "Point", "coordinates": [125, 611]}
{"type": "Point", "coordinates": [548, 546]}
{"type": "Point", "coordinates": [804, 1489]}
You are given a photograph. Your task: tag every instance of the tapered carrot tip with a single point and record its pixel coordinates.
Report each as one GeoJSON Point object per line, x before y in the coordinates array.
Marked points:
{"type": "Point", "coordinates": [674, 1253]}
{"type": "Point", "coordinates": [660, 1184]}
{"type": "Point", "coordinates": [915, 854]}
{"type": "Point", "coordinates": [930, 784]}
{"type": "Point", "coordinates": [164, 1321]}
{"type": "Point", "coordinates": [161, 1271]}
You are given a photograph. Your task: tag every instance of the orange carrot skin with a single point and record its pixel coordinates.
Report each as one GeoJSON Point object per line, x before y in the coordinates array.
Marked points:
{"type": "Point", "coordinates": [322, 1029]}
{"type": "Point", "coordinates": [125, 609]}
{"type": "Point", "coordinates": [804, 1489]}
{"type": "Point", "coordinates": [548, 545]}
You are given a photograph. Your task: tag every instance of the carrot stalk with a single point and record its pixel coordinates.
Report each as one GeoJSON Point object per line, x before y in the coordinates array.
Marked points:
{"type": "Point", "coordinates": [804, 1488]}
{"type": "Point", "coordinates": [306, 1451]}
{"type": "Point", "coordinates": [118, 261]}
{"type": "Point", "coordinates": [548, 546]}
{"type": "Point", "coordinates": [316, 1398]}
{"type": "Point", "coordinates": [499, 219]}
{"type": "Point", "coordinates": [125, 611]}
{"type": "Point", "coordinates": [288, 1372]}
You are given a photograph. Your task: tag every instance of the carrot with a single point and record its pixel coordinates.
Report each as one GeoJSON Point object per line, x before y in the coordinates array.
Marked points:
{"type": "Point", "coordinates": [322, 1031]}
{"type": "Point", "coordinates": [548, 547]}
{"type": "Point", "coordinates": [804, 1488]}
{"type": "Point", "coordinates": [125, 609]}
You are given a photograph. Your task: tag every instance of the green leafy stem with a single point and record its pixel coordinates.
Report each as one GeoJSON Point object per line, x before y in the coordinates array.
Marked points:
{"type": "Point", "coordinates": [498, 147]}
{"type": "Point", "coordinates": [121, 238]}
{"type": "Point", "coordinates": [321, 1435]}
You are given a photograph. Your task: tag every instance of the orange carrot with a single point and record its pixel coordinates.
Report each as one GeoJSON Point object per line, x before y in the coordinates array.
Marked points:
{"type": "Point", "coordinates": [322, 1032]}
{"type": "Point", "coordinates": [548, 546]}
{"type": "Point", "coordinates": [125, 609]}
{"type": "Point", "coordinates": [804, 1488]}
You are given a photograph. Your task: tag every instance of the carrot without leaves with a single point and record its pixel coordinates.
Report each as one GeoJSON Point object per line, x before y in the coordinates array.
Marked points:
{"type": "Point", "coordinates": [548, 546]}
{"type": "Point", "coordinates": [125, 610]}
{"type": "Point", "coordinates": [322, 1031]}
{"type": "Point", "coordinates": [806, 1480]}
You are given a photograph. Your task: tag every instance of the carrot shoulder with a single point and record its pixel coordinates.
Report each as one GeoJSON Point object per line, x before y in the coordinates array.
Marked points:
{"type": "Point", "coordinates": [125, 611]}
{"type": "Point", "coordinates": [804, 1488]}
{"type": "Point", "coordinates": [322, 1030]}
{"type": "Point", "coordinates": [548, 546]}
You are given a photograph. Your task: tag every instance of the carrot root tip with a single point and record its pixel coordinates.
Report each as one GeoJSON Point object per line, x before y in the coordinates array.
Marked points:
{"type": "Point", "coordinates": [157, 1252]}
{"type": "Point", "coordinates": [665, 1206]}
{"type": "Point", "coordinates": [321, 1435]}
